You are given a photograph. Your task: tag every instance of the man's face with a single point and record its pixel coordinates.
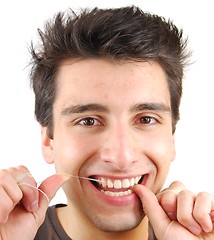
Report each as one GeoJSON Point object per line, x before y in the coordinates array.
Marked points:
{"type": "Point", "coordinates": [112, 122]}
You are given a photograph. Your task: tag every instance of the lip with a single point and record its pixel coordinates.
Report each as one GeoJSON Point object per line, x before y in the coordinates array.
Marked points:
{"type": "Point", "coordinates": [114, 196]}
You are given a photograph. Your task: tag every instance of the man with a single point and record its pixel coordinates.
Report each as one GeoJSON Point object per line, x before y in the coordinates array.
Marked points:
{"type": "Point", "coordinates": [108, 85]}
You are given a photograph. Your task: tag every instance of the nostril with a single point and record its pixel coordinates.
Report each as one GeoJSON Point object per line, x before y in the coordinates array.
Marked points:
{"type": "Point", "coordinates": [135, 161]}
{"type": "Point", "coordinates": [117, 166]}
{"type": "Point", "coordinates": [120, 165]}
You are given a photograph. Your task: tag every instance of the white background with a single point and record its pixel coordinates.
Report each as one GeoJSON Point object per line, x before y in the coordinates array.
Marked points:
{"type": "Point", "coordinates": [19, 131]}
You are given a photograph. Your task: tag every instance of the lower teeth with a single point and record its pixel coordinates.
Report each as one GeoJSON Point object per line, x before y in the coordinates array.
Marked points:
{"type": "Point", "coordinates": [117, 194]}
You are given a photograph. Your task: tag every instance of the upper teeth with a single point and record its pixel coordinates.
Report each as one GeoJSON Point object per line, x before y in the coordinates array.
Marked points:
{"type": "Point", "coordinates": [118, 183]}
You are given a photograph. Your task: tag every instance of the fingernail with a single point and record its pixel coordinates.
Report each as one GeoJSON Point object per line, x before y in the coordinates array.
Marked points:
{"type": "Point", "coordinates": [195, 230]}
{"type": "Point", "coordinates": [33, 206]}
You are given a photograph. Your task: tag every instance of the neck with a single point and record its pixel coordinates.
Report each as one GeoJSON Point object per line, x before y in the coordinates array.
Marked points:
{"type": "Point", "coordinates": [81, 229]}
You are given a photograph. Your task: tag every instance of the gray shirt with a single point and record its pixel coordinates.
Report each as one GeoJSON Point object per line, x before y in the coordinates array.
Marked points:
{"type": "Point", "coordinates": [51, 229]}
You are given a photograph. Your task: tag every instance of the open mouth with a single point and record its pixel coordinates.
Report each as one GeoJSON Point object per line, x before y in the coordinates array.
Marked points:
{"type": "Point", "coordinates": [116, 187]}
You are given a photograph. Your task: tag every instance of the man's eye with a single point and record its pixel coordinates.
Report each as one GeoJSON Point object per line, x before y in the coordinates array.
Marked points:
{"type": "Point", "coordinates": [89, 121]}
{"type": "Point", "coordinates": [147, 120]}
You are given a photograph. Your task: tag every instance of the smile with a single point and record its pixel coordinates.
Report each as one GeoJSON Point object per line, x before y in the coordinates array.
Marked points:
{"type": "Point", "coordinates": [116, 187]}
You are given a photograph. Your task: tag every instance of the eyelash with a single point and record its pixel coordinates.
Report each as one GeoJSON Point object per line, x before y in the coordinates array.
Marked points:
{"type": "Point", "coordinates": [151, 120]}
{"type": "Point", "coordinates": [83, 122]}
{"type": "Point", "coordinates": [92, 121]}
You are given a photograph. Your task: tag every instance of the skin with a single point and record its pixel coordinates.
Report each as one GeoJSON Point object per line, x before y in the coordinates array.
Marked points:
{"type": "Point", "coordinates": [127, 132]}
{"type": "Point", "coordinates": [117, 145]}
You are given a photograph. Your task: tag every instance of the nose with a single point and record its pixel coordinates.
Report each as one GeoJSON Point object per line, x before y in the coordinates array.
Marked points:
{"type": "Point", "coordinates": [119, 148]}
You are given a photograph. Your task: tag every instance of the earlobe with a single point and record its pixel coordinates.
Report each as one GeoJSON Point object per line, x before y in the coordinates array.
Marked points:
{"type": "Point", "coordinates": [47, 149]}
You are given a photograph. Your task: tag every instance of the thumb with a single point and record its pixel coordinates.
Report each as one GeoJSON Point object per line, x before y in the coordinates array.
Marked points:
{"type": "Point", "coordinates": [156, 215]}
{"type": "Point", "coordinates": [48, 189]}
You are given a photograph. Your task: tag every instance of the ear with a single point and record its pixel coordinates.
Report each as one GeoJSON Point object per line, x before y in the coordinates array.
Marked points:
{"type": "Point", "coordinates": [47, 148]}
{"type": "Point", "coordinates": [173, 146]}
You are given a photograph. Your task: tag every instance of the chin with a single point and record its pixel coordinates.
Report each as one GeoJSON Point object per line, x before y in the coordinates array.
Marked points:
{"type": "Point", "coordinates": [120, 222]}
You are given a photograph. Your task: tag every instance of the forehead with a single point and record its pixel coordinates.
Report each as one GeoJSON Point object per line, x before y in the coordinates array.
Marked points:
{"type": "Point", "coordinates": [102, 80]}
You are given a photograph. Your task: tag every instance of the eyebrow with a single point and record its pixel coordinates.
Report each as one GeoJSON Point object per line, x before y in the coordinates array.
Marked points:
{"type": "Point", "coordinates": [93, 107]}
{"type": "Point", "coordinates": [160, 107]}
{"type": "Point", "coordinates": [83, 108]}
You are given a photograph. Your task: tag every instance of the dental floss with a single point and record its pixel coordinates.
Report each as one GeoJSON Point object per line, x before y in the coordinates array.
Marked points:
{"type": "Point", "coordinates": [29, 185]}
{"type": "Point", "coordinates": [20, 178]}
{"type": "Point", "coordinates": [85, 178]}
{"type": "Point", "coordinates": [45, 195]}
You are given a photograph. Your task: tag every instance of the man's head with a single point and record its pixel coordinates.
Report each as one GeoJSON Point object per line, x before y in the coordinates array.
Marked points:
{"type": "Point", "coordinates": [108, 85]}
{"type": "Point", "coordinates": [126, 34]}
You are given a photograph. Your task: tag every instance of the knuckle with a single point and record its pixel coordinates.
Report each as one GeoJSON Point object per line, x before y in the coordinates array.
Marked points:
{"type": "Point", "coordinates": [202, 195]}
{"type": "Point", "coordinates": [11, 198]}
{"type": "Point", "coordinates": [168, 199]}
{"type": "Point", "coordinates": [184, 193]}
{"type": "Point", "coordinates": [3, 175]}
{"type": "Point", "coordinates": [22, 168]}
{"type": "Point", "coordinates": [7, 206]}
{"type": "Point", "coordinates": [177, 184]}
{"type": "Point", "coordinates": [30, 193]}
{"type": "Point", "coordinates": [202, 199]}
{"type": "Point", "coordinates": [8, 189]}
{"type": "Point", "coordinates": [198, 215]}
{"type": "Point", "coordinates": [184, 218]}
{"type": "Point", "coordinates": [17, 196]}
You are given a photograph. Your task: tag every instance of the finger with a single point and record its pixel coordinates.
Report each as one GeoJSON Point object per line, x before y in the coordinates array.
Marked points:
{"type": "Point", "coordinates": [9, 186]}
{"type": "Point", "coordinates": [202, 211]}
{"type": "Point", "coordinates": [185, 206]}
{"type": "Point", "coordinates": [176, 186]}
{"type": "Point", "coordinates": [152, 209]}
{"type": "Point", "coordinates": [48, 189]}
{"type": "Point", "coordinates": [168, 199]}
{"type": "Point", "coordinates": [24, 179]}
{"type": "Point", "coordinates": [10, 194]}
{"type": "Point", "coordinates": [7, 206]}
{"type": "Point", "coordinates": [30, 193]}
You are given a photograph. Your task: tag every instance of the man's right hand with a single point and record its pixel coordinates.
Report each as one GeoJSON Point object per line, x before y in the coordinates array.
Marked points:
{"type": "Point", "coordinates": [23, 208]}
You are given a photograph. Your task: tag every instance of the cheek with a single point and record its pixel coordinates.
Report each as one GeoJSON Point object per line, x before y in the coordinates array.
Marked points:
{"type": "Point", "coordinates": [166, 153]}
{"type": "Point", "coordinates": [162, 153]}
{"type": "Point", "coordinates": [71, 153]}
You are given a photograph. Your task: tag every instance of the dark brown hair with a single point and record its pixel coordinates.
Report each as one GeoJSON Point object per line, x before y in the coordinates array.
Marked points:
{"type": "Point", "coordinates": [127, 34]}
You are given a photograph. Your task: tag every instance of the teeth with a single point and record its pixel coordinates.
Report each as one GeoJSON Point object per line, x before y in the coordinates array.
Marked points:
{"type": "Point", "coordinates": [126, 183]}
{"type": "Point", "coordinates": [117, 194]}
{"type": "Point", "coordinates": [118, 184]}
{"type": "Point", "coordinates": [103, 182]}
{"type": "Point", "coordinates": [132, 182]}
{"type": "Point", "coordinates": [136, 180]}
{"type": "Point", "coordinates": [110, 183]}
